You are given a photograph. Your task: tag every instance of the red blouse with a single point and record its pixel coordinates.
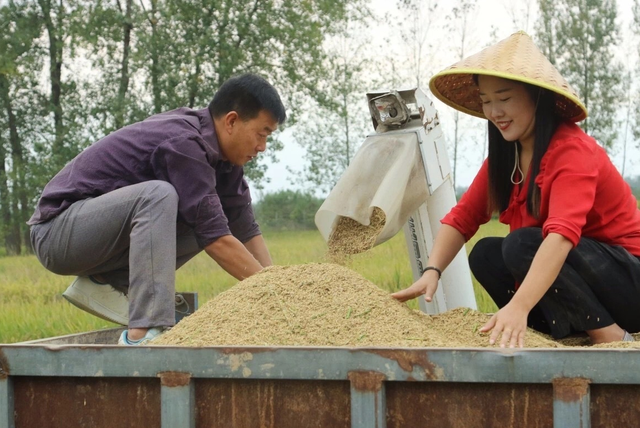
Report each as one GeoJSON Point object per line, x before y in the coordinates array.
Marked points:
{"type": "Point", "coordinates": [582, 194]}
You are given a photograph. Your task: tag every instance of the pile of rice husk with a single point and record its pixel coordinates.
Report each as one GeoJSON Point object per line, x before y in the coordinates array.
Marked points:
{"type": "Point", "coordinates": [350, 237]}
{"type": "Point", "coordinates": [327, 304]}
{"type": "Point", "coordinates": [324, 304]}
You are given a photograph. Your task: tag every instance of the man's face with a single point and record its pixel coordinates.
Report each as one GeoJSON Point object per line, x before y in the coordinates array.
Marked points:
{"type": "Point", "coordinates": [246, 138]}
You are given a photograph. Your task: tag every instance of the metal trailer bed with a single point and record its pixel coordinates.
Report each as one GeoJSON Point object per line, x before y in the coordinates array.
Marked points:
{"type": "Point", "coordinates": [78, 381]}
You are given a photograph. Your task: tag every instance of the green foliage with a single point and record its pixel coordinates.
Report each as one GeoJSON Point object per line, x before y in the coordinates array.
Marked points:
{"type": "Point", "coordinates": [579, 37]}
{"type": "Point", "coordinates": [109, 63]}
{"type": "Point", "coordinates": [337, 118]}
{"type": "Point", "coordinates": [287, 210]}
{"type": "Point", "coordinates": [19, 70]}
{"type": "Point", "coordinates": [634, 183]}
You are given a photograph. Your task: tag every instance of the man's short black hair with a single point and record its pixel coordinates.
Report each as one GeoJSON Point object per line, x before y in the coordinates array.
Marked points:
{"type": "Point", "coordinates": [247, 94]}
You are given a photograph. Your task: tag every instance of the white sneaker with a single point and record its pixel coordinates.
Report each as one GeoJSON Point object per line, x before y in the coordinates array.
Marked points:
{"type": "Point", "coordinates": [152, 333]}
{"type": "Point", "coordinates": [101, 300]}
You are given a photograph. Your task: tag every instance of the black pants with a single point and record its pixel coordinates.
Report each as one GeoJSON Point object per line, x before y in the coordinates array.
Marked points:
{"type": "Point", "coordinates": [598, 285]}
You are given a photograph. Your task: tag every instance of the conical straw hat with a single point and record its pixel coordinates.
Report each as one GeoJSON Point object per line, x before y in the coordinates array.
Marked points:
{"type": "Point", "coordinates": [515, 58]}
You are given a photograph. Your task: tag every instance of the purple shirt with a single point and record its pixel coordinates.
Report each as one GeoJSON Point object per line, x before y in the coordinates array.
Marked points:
{"type": "Point", "coordinates": [179, 147]}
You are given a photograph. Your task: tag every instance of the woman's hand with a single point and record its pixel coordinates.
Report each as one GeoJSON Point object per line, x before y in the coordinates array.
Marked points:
{"type": "Point", "coordinates": [511, 322]}
{"type": "Point", "coordinates": [427, 284]}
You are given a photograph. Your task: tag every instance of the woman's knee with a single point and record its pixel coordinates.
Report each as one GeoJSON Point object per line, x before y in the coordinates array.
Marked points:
{"type": "Point", "coordinates": [520, 246]}
{"type": "Point", "coordinates": [482, 251]}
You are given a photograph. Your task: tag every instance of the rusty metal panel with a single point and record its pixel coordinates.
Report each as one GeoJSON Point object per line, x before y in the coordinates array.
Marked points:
{"type": "Point", "coordinates": [303, 386]}
{"type": "Point", "coordinates": [272, 404]}
{"type": "Point", "coordinates": [86, 402]}
{"type": "Point", "coordinates": [615, 405]}
{"type": "Point", "coordinates": [468, 405]}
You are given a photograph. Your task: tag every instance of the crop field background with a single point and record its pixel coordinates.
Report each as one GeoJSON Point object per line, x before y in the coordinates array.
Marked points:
{"type": "Point", "coordinates": [32, 306]}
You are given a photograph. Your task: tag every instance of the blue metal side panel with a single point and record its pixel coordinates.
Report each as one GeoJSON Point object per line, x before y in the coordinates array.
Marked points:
{"type": "Point", "coordinates": [571, 403]}
{"type": "Point", "coordinates": [571, 415]}
{"type": "Point", "coordinates": [448, 365]}
{"type": "Point", "coordinates": [178, 406]}
{"type": "Point", "coordinates": [368, 400]}
{"type": "Point", "coordinates": [368, 409]}
{"type": "Point", "coordinates": [570, 372]}
{"type": "Point", "coordinates": [6, 403]}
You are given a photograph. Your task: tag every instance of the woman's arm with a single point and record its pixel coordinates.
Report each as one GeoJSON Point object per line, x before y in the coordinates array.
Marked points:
{"type": "Point", "coordinates": [447, 244]}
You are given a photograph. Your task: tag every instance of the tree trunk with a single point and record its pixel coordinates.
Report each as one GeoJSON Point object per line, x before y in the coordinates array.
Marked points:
{"type": "Point", "coordinates": [127, 27]}
{"type": "Point", "coordinates": [55, 74]}
{"type": "Point", "coordinates": [8, 209]}
{"type": "Point", "coordinates": [155, 60]}
{"type": "Point", "coordinates": [193, 86]}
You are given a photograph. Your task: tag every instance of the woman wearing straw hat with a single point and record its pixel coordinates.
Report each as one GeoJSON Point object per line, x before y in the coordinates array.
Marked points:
{"type": "Point", "coordinates": [571, 262]}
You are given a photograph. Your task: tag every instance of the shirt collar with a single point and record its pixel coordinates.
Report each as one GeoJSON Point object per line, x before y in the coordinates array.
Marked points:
{"type": "Point", "coordinates": [208, 132]}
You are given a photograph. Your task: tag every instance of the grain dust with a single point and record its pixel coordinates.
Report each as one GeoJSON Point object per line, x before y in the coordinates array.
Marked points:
{"type": "Point", "coordinates": [324, 304]}
{"type": "Point", "coordinates": [350, 237]}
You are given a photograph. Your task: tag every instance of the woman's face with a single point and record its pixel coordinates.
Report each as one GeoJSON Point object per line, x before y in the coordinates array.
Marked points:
{"type": "Point", "coordinates": [510, 107]}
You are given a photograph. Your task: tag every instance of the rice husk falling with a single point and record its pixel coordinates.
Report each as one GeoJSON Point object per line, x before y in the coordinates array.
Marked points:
{"type": "Point", "coordinates": [350, 237]}
{"type": "Point", "coordinates": [324, 305]}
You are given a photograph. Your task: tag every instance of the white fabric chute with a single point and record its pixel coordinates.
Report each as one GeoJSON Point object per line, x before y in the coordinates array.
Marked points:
{"type": "Point", "coordinates": [387, 172]}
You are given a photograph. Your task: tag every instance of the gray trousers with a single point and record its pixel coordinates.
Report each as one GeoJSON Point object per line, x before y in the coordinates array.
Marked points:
{"type": "Point", "coordinates": [131, 238]}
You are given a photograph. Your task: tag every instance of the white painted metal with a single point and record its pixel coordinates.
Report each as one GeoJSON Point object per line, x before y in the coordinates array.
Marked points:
{"type": "Point", "coordinates": [456, 288]}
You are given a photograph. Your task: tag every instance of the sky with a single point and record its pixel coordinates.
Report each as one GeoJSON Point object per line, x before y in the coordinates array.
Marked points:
{"type": "Point", "coordinates": [502, 17]}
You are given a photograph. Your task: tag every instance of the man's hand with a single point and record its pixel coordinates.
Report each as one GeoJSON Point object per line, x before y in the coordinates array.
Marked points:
{"type": "Point", "coordinates": [511, 322]}
{"type": "Point", "coordinates": [427, 285]}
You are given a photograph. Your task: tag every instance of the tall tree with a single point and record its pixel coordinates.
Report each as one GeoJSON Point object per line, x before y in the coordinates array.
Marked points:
{"type": "Point", "coordinates": [520, 12]}
{"type": "Point", "coordinates": [204, 42]}
{"type": "Point", "coordinates": [17, 77]}
{"type": "Point", "coordinates": [585, 34]}
{"type": "Point", "coordinates": [338, 119]}
{"type": "Point", "coordinates": [636, 73]}
{"type": "Point", "coordinates": [112, 62]}
{"type": "Point", "coordinates": [545, 29]}
{"type": "Point", "coordinates": [107, 38]}
{"type": "Point", "coordinates": [418, 35]}
{"type": "Point", "coordinates": [53, 15]}
{"type": "Point", "coordinates": [459, 20]}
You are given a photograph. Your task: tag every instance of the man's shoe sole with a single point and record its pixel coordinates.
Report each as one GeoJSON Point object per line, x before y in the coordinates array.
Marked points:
{"type": "Point", "coordinates": [87, 304]}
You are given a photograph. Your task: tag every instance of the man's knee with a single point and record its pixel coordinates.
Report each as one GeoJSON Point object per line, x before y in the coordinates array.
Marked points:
{"type": "Point", "coordinates": [158, 190]}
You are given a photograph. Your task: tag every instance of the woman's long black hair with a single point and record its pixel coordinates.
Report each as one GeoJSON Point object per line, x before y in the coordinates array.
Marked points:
{"type": "Point", "coordinates": [502, 154]}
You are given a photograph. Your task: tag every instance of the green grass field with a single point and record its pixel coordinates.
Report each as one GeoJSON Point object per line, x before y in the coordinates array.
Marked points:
{"type": "Point", "coordinates": [32, 307]}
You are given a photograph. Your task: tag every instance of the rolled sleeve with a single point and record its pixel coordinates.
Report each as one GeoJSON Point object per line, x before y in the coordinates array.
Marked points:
{"type": "Point", "coordinates": [211, 222]}
{"type": "Point", "coordinates": [242, 223]}
{"type": "Point", "coordinates": [571, 185]}
{"type": "Point", "coordinates": [236, 201]}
